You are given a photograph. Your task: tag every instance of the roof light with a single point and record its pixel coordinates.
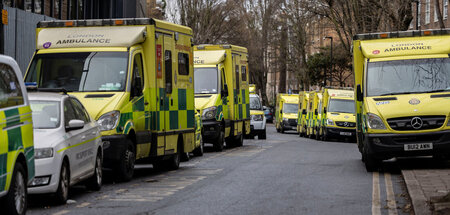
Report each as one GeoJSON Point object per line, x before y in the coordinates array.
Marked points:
{"type": "Point", "coordinates": [69, 24]}
{"type": "Point", "coordinates": [427, 33]}
{"type": "Point", "coordinates": [384, 35]}
{"type": "Point", "coordinates": [118, 22]}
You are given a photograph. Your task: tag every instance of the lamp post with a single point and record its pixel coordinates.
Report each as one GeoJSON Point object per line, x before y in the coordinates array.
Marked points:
{"type": "Point", "coordinates": [417, 13]}
{"type": "Point", "coordinates": [331, 61]}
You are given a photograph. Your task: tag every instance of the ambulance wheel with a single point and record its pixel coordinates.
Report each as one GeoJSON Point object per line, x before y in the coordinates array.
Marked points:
{"type": "Point", "coordinates": [282, 130]}
{"type": "Point", "coordinates": [317, 134]}
{"type": "Point", "coordinates": [218, 145]}
{"type": "Point", "coordinates": [199, 150]}
{"type": "Point", "coordinates": [125, 168]}
{"type": "Point", "coordinates": [174, 162]}
{"type": "Point", "coordinates": [372, 164]}
{"type": "Point", "coordinates": [15, 201]}
{"type": "Point", "coordinates": [239, 141]}
{"type": "Point", "coordinates": [262, 135]}
{"type": "Point", "coordinates": [62, 194]}
{"type": "Point", "coordinates": [278, 130]}
{"type": "Point", "coordinates": [96, 180]}
{"type": "Point", "coordinates": [324, 136]}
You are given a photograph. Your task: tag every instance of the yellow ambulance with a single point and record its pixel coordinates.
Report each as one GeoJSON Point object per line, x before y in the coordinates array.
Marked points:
{"type": "Point", "coordinates": [16, 139]}
{"type": "Point", "coordinates": [222, 93]}
{"type": "Point", "coordinates": [312, 112]}
{"type": "Point", "coordinates": [303, 98]}
{"type": "Point", "coordinates": [402, 93]}
{"type": "Point", "coordinates": [286, 112]}
{"type": "Point", "coordinates": [337, 114]}
{"type": "Point", "coordinates": [134, 76]}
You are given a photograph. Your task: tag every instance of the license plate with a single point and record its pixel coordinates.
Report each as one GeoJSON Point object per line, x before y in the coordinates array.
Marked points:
{"type": "Point", "coordinates": [345, 133]}
{"type": "Point", "coordinates": [418, 146]}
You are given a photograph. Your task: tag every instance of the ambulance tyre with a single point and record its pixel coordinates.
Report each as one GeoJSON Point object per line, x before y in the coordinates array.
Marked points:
{"type": "Point", "coordinates": [96, 180]}
{"type": "Point", "coordinates": [174, 162]}
{"type": "Point", "coordinates": [125, 168]}
{"type": "Point", "coordinates": [239, 141]}
{"type": "Point", "coordinates": [15, 201]}
{"type": "Point", "coordinates": [199, 150]}
{"type": "Point", "coordinates": [218, 145]}
{"type": "Point", "coordinates": [372, 164]}
{"type": "Point", "coordinates": [185, 156]}
{"type": "Point", "coordinates": [317, 134]}
{"type": "Point", "coordinates": [62, 194]}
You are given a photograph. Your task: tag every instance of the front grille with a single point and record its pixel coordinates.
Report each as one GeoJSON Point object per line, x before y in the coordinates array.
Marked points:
{"type": "Point", "coordinates": [346, 124]}
{"type": "Point", "coordinates": [292, 122]}
{"type": "Point", "coordinates": [406, 123]}
{"type": "Point", "coordinates": [418, 138]}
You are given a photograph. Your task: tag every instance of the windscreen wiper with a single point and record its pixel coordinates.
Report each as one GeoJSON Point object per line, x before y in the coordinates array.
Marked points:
{"type": "Point", "coordinates": [436, 91]}
{"type": "Point", "coordinates": [396, 93]}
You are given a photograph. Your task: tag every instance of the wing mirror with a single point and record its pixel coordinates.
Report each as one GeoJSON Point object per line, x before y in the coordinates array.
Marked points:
{"type": "Point", "coordinates": [75, 124]}
{"type": "Point", "coordinates": [304, 111]}
{"type": "Point", "coordinates": [324, 110]}
{"type": "Point", "coordinates": [359, 94]}
{"type": "Point", "coordinates": [224, 92]}
{"type": "Point", "coordinates": [315, 112]}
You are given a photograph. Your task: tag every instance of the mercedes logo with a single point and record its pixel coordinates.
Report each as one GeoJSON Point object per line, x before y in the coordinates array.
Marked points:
{"type": "Point", "coordinates": [416, 122]}
{"type": "Point", "coordinates": [345, 124]}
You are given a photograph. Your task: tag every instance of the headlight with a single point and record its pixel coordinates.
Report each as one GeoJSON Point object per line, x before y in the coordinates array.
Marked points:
{"type": "Point", "coordinates": [330, 122]}
{"type": "Point", "coordinates": [375, 122]}
{"type": "Point", "coordinates": [40, 181]}
{"type": "Point", "coordinates": [209, 113]}
{"type": "Point", "coordinates": [43, 153]}
{"type": "Point", "coordinates": [257, 117]}
{"type": "Point", "coordinates": [108, 121]}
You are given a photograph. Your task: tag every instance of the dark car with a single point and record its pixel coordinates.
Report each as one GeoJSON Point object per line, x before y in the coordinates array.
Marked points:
{"type": "Point", "coordinates": [269, 114]}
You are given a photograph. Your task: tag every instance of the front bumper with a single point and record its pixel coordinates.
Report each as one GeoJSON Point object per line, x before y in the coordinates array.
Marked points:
{"type": "Point", "coordinates": [211, 130]}
{"type": "Point", "coordinates": [386, 146]}
{"type": "Point", "coordinates": [47, 167]}
{"type": "Point", "coordinates": [113, 148]}
{"type": "Point", "coordinates": [289, 125]}
{"type": "Point", "coordinates": [340, 132]}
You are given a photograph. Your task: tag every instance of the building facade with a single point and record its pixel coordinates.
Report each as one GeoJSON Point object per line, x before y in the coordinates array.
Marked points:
{"type": "Point", "coordinates": [425, 14]}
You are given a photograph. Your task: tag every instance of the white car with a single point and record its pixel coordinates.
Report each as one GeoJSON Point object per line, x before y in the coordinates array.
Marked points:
{"type": "Point", "coordinates": [68, 145]}
{"type": "Point", "coordinates": [257, 118]}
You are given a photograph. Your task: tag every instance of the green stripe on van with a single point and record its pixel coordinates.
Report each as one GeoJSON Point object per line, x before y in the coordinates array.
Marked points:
{"type": "Point", "coordinates": [3, 162]}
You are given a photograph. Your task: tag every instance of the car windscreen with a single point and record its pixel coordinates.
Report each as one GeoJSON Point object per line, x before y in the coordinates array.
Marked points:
{"type": "Point", "coordinates": [408, 76]}
{"type": "Point", "coordinates": [81, 71]}
{"type": "Point", "coordinates": [205, 80]}
{"type": "Point", "coordinates": [46, 114]}
{"type": "Point", "coordinates": [341, 106]}
{"type": "Point", "coordinates": [255, 103]}
{"type": "Point", "coordinates": [290, 108]}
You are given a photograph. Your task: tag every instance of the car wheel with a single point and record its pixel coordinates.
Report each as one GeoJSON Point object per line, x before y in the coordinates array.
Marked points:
{"type": "Point", "coordinates": [62, 194]}
{"type": "Point", "coordinates": [125, 168]}
{"type": "Point", "coordinates": [218, 145]}
{"type": "Point", "coordinates": [96, 180]}
{"type": "Point", "coordinates": [15, 201]}
{"type": "Point", "coordinates": [199, 150]}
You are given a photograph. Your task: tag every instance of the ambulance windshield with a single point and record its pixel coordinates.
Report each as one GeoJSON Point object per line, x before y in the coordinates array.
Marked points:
{"type": "Point", "coordinates": [206, 81]}
{"type": "Point", "coordinates": [290, 108]}
{"type": "Point", "coordinates": [80, 72]}
{"type": "Point", "coordinates": [255, 104]}
{"type": "Point", "coordinates": [408, 76]}
{"type": "Point", "coordinates": [341, 106]}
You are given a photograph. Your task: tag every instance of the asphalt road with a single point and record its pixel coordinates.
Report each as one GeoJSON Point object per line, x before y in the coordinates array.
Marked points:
{"type": "Point", "coordinates": [284, 174]}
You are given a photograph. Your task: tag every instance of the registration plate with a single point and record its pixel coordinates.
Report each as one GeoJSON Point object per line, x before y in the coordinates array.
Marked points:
{"type": "Point", "coordinates": [345, 133]}
{"type": "Point", "coordinates": [418, 146]}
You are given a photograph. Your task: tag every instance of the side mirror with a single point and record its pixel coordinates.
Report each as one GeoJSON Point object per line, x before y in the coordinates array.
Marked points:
{"type": "Point", "coordinates": [315, 112]}
{"type": "Point", "coordinates": [359, 94]}
{"type": "Point", "coordinates": [224, 92]}
{"type": "Point", "coordinates": [281, 111]}
{"type": "Point", "coordinates": [304, 111]}
{"type": "Point", "coordinates": [75, 124]}
{"type": "Point", "coordinates": [168, 88]}
{"type": "Point", "coordinates": [136, 90]}
{"type": "Point", "coordinates": [324, 110]}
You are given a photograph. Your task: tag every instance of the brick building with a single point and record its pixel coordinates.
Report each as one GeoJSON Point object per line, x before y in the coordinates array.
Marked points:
{"type": "Point", "coordinates": [427, 14]}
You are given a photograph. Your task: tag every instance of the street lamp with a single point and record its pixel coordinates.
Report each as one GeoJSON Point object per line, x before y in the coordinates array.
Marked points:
{"type": "Point", "coordinates": [417, 13]}
{"type": "Point", "coordinates": [331, 62]}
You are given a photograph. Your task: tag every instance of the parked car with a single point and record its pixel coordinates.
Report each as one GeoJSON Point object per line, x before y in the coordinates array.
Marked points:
{"type": "Point", "coordinates": [68, 145]}
{"type": "Point", "coordinates": [269, 114]}
{"type": "Point", "coordinates": [16, 139]}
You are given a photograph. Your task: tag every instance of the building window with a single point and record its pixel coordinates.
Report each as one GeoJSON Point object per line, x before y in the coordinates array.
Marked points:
{"type": "Point", "coordinates": [435, 14]}
{"type": "Point", "coordinates": [419, 14]}
{"type": "Point", "coordinates": [445, 11]}
{"type": "Point", "coordinates": [427, 11]}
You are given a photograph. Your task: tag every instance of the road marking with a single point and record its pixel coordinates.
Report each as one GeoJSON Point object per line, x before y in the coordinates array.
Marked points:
{"type": "Point", "coordinates": [61, 212]}
{"type": "Point", "coordinates": [392, 206]}
{"type": "Point", "coordinates": [82, 205]}
{"type": "Point", "coordinates": [376, 204]}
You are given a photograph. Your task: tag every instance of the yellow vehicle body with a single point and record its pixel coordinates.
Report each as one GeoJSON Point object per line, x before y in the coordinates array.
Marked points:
{"type": "Point", "coordinates": [312, 112]}
{"type": "Point", "coordinates": [146, 105]}
{"type": "Point", "coordinates": [16, 136]}
{"type": "Point", "coordinates": [252, 88]}
{"type": "Point", "coordinates": [222, 93]}
{"type": "Point", "coordinates": [303, 98]}
{"type": "Point", "coordinates": [286, 112]}
{"type": "Point", "coordinates": [337, 114]}
{"type": "Point", "coordinates": [402, 94]}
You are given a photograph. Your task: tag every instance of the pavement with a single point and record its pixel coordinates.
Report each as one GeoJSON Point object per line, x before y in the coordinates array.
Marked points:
{"type": "Point", "coordinates": [429, 190]}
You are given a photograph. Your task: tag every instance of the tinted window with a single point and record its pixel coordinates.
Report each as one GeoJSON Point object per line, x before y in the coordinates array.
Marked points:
{"type": "Point", "coordinates": [244, 73]}
{"type": "Point", "coordinates": [183, 64]}
{"type": "Point", "coordinates": [237, 77]}
{"type": "Point", "coordinates": [69, 112]}
{"type": "Point", "coordinates": [168, 70]}
{"type": "Point", "coordinates": [138, 74]}
{"type": "Point", "coordinates": [80, 111]}
{"type": "Point", "coordinates": [341, 106]}
{"type": "Point", "coordinates": [10, 91]}
{"type": "Point", "coordinates": [46, 114]}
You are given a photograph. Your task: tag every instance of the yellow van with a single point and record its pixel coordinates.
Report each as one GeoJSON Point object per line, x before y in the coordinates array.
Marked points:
{"type": "Point", "coordinates": [337, 114]}
{"type": "Point", "coordinates": [312, 111]}
{"type": "Point", "coordinates": [303, 98]}
{"type": "Point", "coordinates": [286, 112]}
{"type": "Point", "coordinates": [402, 93]}
{"type": "Point", "coordinates": [134, 76]}
{"type": "Point", "coordinates": [16, 139]}
{"type": "Point", "coordinates": [222, 93]}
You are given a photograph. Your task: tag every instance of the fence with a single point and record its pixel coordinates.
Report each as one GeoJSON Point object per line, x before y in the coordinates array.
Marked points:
{"type": "Point", "coordinates": [20, 35]}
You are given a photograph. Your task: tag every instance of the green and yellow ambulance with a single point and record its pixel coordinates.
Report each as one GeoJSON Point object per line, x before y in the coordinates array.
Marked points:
{"type": "Point", "coordinates": [312, 112]}
{"type": "Point", "coordinates": [303, 98]}
{"type": "Point", "coordinates": [286, 112]}
{"type": "Point", "coordinates": [402, 93]}
{"type": "Point", "coordinates": [134, 76]}
{"type": "Point", "coordinates": [222, 93]}
{"type": "Point", "coordinates": [16, 139]}
{"type": "Point", "coordinates": [337, 114]}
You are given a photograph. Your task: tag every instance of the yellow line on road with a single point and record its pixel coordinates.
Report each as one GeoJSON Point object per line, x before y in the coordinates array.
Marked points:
{"type": "Point", "coordinates": [392, 205]}
{"type": "Point", "coordinates": [376, 205]}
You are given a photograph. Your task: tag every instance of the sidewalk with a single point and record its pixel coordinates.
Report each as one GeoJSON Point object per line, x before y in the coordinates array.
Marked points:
{"type": "Point", "coordinates": [429, 190]}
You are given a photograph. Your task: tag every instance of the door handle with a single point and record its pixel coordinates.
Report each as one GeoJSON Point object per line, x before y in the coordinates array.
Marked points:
{"type": "Point", "coordinates": [171, 101]}
{"type": "Point", "coordinates": [145, 103]}
{"type": "Point", "coordinates": [161, 100]}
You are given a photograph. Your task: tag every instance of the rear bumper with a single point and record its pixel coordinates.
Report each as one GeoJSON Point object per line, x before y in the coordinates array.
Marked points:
{"type": "Point", "coordinates": [386, 146]}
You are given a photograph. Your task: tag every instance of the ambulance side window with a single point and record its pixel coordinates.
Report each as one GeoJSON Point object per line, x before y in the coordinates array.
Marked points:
{"type": "Point", "coordinates": [168, 70]}
{"type": "Point", "coordinates": [183, 64]}
{"type": "Point", "coordinates": [138, 76]}
{"type": "Point", "coordinates": [10, 90]}
{"type": "Point", "coordinates": [244, 73]}
{"type": "Point", "coordinates": [237, 77]}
